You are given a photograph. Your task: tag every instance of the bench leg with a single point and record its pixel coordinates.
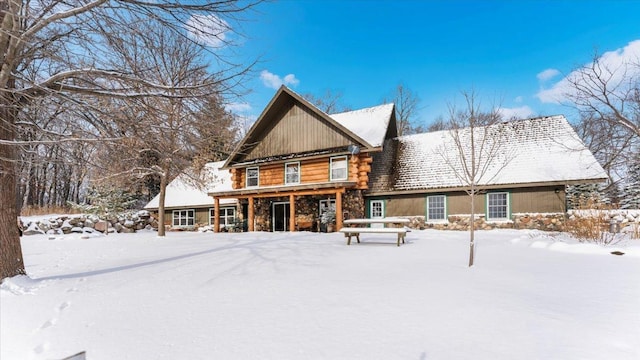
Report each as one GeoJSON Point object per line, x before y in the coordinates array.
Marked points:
{"type": "Point", "coordinates": [358, 238]}
{"type": "Point", "coordinates": [348, 239]}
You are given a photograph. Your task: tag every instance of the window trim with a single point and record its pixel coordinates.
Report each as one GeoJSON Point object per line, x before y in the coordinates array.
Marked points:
{"type": "Point", "coordinates": [180, 217]}
{"type": "Point", "coordinates": [346, 168]}
{"type": "Point", "coordinates": [444, 203]}
{"type": "Point", "coordinates": [328, 203]}
{"type": "Point", "coordinates": [223, 209]}
{"type": "Point", "coordinates": [286, 179]}
{"type": "Point", "coordinates": [508, 205]}
{"type": "Point", "coordinates": [246, 182]}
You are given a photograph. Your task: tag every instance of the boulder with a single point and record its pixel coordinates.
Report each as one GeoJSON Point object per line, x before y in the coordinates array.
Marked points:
{"type": "Point", "coordinates": [101, 226]}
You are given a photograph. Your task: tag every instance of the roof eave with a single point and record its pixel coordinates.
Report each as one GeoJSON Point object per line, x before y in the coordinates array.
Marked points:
{"type": "Point", "coordinates": [485, 187]}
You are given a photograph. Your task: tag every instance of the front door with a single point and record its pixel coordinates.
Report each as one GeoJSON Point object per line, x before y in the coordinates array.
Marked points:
{"type": "Point", "coordinates": [376, 211]}
{"type": "Point", "coordinates": [280, 216]}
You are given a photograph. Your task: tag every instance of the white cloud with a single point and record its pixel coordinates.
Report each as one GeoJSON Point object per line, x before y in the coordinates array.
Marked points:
{"type": "Point", "coordinates": [547, 74]}
{"type": "Point", "coordinates": [208, 29]}
{"type": "Point", "coordinates": [238, 107]}
{"type": "Point", "coordinates": [614, 63]}
{"type": "Point", "coordinates": [522, 112]}
{"type": "Point", "coordinates": [274, 81]}
{"type": "Point", "coordinates": [518, 99]}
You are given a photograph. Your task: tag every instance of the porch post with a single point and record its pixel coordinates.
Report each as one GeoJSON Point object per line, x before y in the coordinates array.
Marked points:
{"type": "Point", "coordinates": [216, 214]}
{"type": "Point", "coordinates": [338, 210]}
{"type": "Point", "coordinates": [292, 213]}
{"type": "Point", "coordinates": [250, 220]}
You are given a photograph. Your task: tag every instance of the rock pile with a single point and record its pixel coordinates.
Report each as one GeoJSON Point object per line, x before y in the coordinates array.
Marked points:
{"type": "Point", "coordinates": [81, 223]}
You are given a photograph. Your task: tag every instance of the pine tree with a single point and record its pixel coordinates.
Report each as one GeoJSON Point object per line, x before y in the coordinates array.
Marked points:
{"type": "Point", "coordinates": [581, 196]}
{"type": "Point", "coordinates": [631, 191]}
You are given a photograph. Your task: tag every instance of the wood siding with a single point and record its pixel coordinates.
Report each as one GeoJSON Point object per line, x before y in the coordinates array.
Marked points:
{"type": "Point", "coordinates": [311, 171]}
{"type": "Point", "coordinates": [295, 129]}
{"type": "Point", "coordinates": [201, 215]}
{"type": "Point", "coordinates": [524, 200]}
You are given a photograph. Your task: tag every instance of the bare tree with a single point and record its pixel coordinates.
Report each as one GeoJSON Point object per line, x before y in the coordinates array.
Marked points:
{"type": "Point", "coordinates": [179, 132]}
{"type": "Point", "coordinates": [330, 102]}
{"type": "Point", "coordinates": [613, 147]}
{"type": "Point", "coordinates": [438, 124]}
{"type": "Point", "coordinates": [63, 50]}
{"type": "Point", "coordinates": [611, 95]}
{"type": "Point", "coordinates": [474, 151]}
{"type": "Point", "coordinates": [406, 102]}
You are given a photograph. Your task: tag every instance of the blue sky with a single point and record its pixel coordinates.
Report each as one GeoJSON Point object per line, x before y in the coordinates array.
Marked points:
{"type": "Point", "coordinates": [363, 49]}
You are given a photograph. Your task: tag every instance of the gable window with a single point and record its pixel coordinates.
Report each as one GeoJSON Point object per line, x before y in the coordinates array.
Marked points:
{"type": "Point", "coordinates": [184, 217]}
{"type": "Point", "coordinates": [292, 173]}
{"type": "Point", "coordinates": [436, 208]}
{"type": "Point", "coordinates": [253, 177]}
{"type": "Point", "coordinates": [498, 206]}
{"type": "Point", "coordinates": [338, 168]}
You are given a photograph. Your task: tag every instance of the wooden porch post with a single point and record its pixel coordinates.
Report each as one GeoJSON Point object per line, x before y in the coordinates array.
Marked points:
{"type": "Point", "coordinates": [292, 212]}
{"type": "Point", "coordinates": [339, 210]}
{"type": "Point", "coordinates": [216, 214]}
{"type": "Point", "coordinates": [250, 220]}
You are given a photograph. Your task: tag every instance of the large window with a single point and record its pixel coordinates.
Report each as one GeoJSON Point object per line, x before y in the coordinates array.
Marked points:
{"type": "Point", "coordinates": [227, 217]}
{"type": "Point", "coordinates": [338, 168]}
{"type": "Point", "coordinates": [184, 217]}
{"type": "Point", "coordinates": [498, 206]}
{"type": "Point", "coordinates": [253, 177]}
{"type": "Point", "coordinates": [436, 208]}
{"type": "Point", "coordinates": [292, 173]}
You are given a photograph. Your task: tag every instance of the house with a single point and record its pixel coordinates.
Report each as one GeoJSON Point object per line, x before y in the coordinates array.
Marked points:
{"type": "Point", "coordinates": [188, 205]}
{"type": "Point", "coordinates": [297, 162]}
{"type": "Point", "coordinates": [537, 159]}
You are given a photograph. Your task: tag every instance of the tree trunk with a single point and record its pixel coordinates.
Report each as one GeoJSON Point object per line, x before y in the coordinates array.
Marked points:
{"type": "Point", "coordinates": [163, 193]}
{"type": "Point", "coordinates": [472, 223]}
{"type": "Point", "coordinates": [11, 263]}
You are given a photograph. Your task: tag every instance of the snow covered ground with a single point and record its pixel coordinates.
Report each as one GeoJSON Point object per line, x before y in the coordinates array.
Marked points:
{"type": "Point", "coordinates": [531, 295]}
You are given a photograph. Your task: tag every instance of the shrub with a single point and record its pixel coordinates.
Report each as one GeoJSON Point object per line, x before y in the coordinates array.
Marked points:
{"type": "Point", "coordinates": [591, 223]}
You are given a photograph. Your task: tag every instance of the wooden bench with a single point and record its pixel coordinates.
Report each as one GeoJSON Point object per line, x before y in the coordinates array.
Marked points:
{"type": "Point", "coordinates": [356, 231]}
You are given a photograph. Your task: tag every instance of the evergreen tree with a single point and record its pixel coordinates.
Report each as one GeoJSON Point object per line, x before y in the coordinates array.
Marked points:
{"type": "Point", "coordinates": [583, 196]}
{"type": "Point", "coordinates": [631, 191]}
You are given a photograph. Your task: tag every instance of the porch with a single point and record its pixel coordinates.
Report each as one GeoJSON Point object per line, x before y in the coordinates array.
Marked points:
{"type": "Point", "coordinates": [293, 208]}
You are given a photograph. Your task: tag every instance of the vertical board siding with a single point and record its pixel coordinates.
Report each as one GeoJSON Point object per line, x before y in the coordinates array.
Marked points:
{"type": "Point", "coordinates": [295, 129]}
{"type": "Point", "coordinates": [539, 200]}
{"type": "Point", "coordinates": [407, 205]}
{"type": "Point", "coordinates": [525, 200]}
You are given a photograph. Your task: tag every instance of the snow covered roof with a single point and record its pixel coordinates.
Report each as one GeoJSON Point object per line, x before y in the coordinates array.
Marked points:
{"type": "Point", "coordinates": [370, 123]}
{"type": "Point", "coordinates": [182, 192]}
{"type": "Point", "coordinates": [532, 151]}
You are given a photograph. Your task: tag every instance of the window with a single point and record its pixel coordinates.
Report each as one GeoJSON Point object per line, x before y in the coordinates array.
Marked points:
{"type": "Point", "coordinates": [436, 208]}
{"type": "Point", "coordinates": [227, 217]}
{"type": "Point", "coordinates": [498, 206]}
{"type": "Point", "coordinates": [253, 177]}
{"type": "Point", "coordinates": [325, 205]}
{"type": "Point", "coordinates": [377, 209]}
{"type": "Point", "coordinates": [292, 173]}
{"type": "Point", "coordinates": [184, 217]}
{"type": "Point", "coordinates": [338, 168]}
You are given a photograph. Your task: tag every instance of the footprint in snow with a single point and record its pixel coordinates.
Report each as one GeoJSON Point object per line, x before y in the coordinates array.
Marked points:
{"type": "Point", "coordinates": [41, 348]}
{"type": "Point", "coordinates": [48, 323]}
{"type": "Point", "coordinates": [63, 306]}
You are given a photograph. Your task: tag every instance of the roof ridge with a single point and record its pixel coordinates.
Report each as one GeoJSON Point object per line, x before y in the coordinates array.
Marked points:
{"type": "Point", "coordinates": [362, 109]}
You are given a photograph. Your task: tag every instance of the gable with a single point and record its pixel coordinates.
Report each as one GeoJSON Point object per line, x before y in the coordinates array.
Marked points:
{"type": "Point", "coordinates": [294, 129]}
{"type": "Point", "coordinates": [290, 125]}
